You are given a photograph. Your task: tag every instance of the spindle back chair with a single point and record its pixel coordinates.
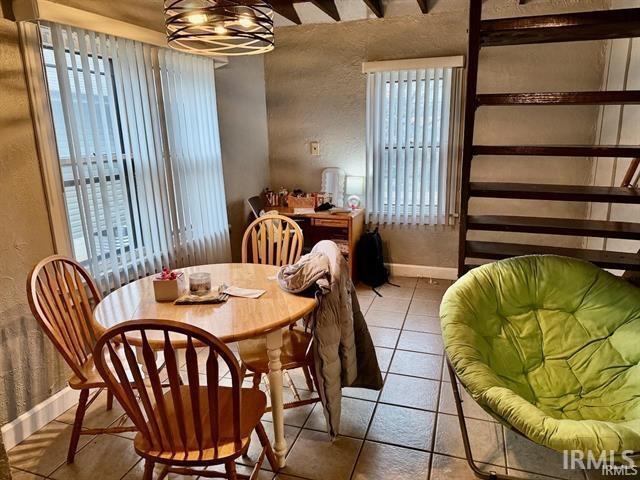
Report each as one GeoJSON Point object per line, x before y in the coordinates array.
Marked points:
{"type": "Point", "coordinates": [275, 240]}
{"type": "Point", "coordinates": [62, 296]}
{"type": "Point", "coordinates": [188, 424]}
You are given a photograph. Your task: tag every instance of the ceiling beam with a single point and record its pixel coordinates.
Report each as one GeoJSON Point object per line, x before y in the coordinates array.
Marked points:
{"type": "Point", "coordinates": [287, 10]}
{"type": "Point", "coordinates": [328, 7]}
{"type": "Point", "coordinates": [424, 5]}
{"type": "Point", "coordinates": [376, 7]}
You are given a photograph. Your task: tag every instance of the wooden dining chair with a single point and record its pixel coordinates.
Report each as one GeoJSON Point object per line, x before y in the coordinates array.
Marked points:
{"type": "Point", "coordinates": [62, 296]}
{"type": "Point", "coordinates": [188, 425]}
{"type": "Point", "coordinates": [276, 240]}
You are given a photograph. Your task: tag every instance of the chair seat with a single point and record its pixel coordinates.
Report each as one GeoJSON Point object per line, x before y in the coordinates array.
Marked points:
{"type": "Point", "coordinates": [549, 346]}
{"type": "Point", "coordinates": [253, 405]}
{"type": "Point", "coordinates": [92, 378]}
{"type": "Point", "coordinates": [253, 352]}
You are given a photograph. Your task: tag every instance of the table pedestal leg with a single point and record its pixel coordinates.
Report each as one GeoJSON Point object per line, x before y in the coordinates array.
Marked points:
{"type": "Point", "coordinates": [274, 344]}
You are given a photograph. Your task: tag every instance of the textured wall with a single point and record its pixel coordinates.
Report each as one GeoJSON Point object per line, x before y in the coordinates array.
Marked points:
{"type": "Point", "coordinates": [316, 91]}
{"type": "Point", "coordinates": [29, 370]}
{"type": "Point", "coordinates": [618, 125]}
{"type": "Point", "coordinates": [243, 132]}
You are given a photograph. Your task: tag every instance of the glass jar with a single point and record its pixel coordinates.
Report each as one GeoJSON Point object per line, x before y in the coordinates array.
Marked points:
{"type": "Point", "coordinates": [199, 283]}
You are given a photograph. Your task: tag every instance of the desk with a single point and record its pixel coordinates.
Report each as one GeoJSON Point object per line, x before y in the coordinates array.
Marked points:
{"type": "Point", "coordinates": [236, 319]}
{"type": "Point", "coordinates": [343, 228]}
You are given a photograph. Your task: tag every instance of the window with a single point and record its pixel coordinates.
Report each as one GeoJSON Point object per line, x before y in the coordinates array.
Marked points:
{"type": "Point", "coordinates": [412, 129]}
{"type": "Point", "coordinates": [139, 156]}
{"type": "Point", "coordinates": [112, 187]}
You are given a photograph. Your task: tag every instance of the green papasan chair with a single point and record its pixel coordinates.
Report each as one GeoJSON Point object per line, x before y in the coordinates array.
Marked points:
{"type": "Point", "coordinates": [550, 347]}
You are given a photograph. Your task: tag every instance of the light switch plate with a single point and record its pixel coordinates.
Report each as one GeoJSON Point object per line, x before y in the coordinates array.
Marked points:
{"type": "Point", "coordinates": [315, 148]}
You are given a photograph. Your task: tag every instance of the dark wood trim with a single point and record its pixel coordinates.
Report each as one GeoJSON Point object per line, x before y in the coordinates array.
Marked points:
{"type": "Point", "coordinates": [328, 7]}
{"type": "Point", "coordinates": [559, 150]}
{"type": "Point", "coordinates": [376, 7]}
{"type": "Point", "coordinates": [602, 258]}
{"type": "Point", "coordinates": [598, 25]}
{"type": "Point", "coordinates": [424, 6]}
{"type": "Point", "coordinates": [287, 10]}
{"type": "Point", "coordinates": [571, 193]}
{"type": "Point", "coordinates": [569, 27]}
{"type": "Point", "coordinates": [561, 98]}
{"type": "Point", "coordinates": [555, 226]}
{"type": "Point", "coordinates": [630, 173]}
{"type": "Point", "coordinates": [473, 52]}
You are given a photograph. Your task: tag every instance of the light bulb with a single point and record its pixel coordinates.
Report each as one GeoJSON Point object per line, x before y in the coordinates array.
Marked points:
{"type": "Point", "coordinates": [197, 18]}
{"type": "Point", "coordinates": [246, 21]}
{"type": "Point", "coordinates": [220, 29]}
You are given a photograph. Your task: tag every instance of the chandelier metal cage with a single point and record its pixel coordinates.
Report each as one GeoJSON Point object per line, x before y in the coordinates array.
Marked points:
{"type": "Point", "coordinates": [219, 27]}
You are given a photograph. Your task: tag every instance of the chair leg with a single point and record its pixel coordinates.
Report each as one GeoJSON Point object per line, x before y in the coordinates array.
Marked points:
{"type": "Point", "coordinates": [148, 470]}
{"type": "Point", "coordinates": [491, 475]}
{"type": "Point", "coordinates": [77, 424]}
{"type": "Point", "coordinates": [307, 377]}
{"type": "Point", "coordinates": [257, 378]}
{"type": "Point", "coordinates": [109, 400]}
{"type": "Point", "coordinates": [245, 452]}
{"type": "Point", "coordinates": [165, 472]}
{"type": "Point", "coordinates": [230, 468]}
{"type": "Point", "coordinates": [266, 444]}
{"type": "Point", "coordinates": [243, 371]}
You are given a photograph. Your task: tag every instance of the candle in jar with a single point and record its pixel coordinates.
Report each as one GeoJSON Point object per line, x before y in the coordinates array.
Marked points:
{"type": "Point", "coordinates": [199, 283]}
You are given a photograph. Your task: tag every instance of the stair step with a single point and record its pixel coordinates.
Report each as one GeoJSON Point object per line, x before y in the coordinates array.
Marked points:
{"type": "Point", "coordinates": [560, 98]}
{"type": "Point", "coordinates": [604, 259]}
{"type": "Point", "coordinates": [568, 27]}
{"type": "Point", "coordinates": [575, 193]}
{"type": "Point", "coordinates": [554, 226]}
{"type": "Point", "coordinates": [615, 151]}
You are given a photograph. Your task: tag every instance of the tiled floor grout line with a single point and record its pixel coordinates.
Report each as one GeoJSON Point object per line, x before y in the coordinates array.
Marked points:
{"type": "Point", "coordinates": [293, 443]}
{"type": "Point", "coordinates": [132, 467]}
{"type": "Point", "coordinates": [435, 422]}
{"type": "Point", "coordinates": [27, 471]}
{"type": "Point", "coordinates": [378, 401]}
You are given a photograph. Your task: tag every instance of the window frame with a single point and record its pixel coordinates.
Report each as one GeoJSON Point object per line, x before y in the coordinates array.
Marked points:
{"type": "Point", "coordinates": [65, 161]}
{"type": "Point", "coordinates": [391, 164]}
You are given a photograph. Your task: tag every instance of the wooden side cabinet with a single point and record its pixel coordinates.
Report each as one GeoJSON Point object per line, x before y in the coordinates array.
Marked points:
{"type": "Point", "coordinates": [343, 229]}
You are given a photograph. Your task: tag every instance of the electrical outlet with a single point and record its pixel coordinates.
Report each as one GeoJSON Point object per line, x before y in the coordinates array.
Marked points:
{"type": "Point", "coordinates": [315, 148]}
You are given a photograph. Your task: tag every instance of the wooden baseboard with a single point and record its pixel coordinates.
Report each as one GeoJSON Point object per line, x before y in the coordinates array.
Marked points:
{"type": "Point", "coordinates": [424, 271]}
{"type": "Point", "coordinates": [30, 422]}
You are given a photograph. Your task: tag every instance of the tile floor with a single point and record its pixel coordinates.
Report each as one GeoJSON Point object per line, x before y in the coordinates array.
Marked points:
{"type": "Point", "coordinates": [407, 431]}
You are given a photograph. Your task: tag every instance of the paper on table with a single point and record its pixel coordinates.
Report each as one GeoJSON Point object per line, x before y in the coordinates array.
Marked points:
{"type": "Point", "coordinates": [243, 292]}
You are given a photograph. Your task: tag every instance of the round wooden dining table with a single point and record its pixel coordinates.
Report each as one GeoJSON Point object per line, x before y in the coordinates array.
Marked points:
{"type": "Point", "coordinates": [234, 320]}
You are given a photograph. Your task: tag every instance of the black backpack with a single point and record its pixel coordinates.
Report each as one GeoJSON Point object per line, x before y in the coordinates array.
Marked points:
{"type": "Point", "coordinates": [370, 261]}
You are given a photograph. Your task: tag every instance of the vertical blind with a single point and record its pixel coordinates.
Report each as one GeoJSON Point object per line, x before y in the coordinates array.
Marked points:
{"type": "Point", "coordinates": [413, 125]}
{"type": "Point", "coordinates": [138, 144]}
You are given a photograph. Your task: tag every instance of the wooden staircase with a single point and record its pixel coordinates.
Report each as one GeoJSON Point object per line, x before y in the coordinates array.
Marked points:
{"type": "Point", "coordinates": [609, 24]}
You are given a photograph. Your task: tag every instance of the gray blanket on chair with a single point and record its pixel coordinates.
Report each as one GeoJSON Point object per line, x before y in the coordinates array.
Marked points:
{"type": "Point", "coordinates": [343, 351]}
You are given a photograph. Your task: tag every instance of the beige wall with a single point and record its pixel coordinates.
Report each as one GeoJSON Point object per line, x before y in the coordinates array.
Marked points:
{"type": "Point", "coordinates": [617, 125]}
{"type": "Point", "coordinates": [30, 371]}
{"type": "Point", "coordinates": [316, 91]}
{"type": "Point", "coordinates": [243, 132]}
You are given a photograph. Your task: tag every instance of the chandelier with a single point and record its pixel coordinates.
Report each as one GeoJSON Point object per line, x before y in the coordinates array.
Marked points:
{"type": "Point", "coordinates": [219, 27]}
